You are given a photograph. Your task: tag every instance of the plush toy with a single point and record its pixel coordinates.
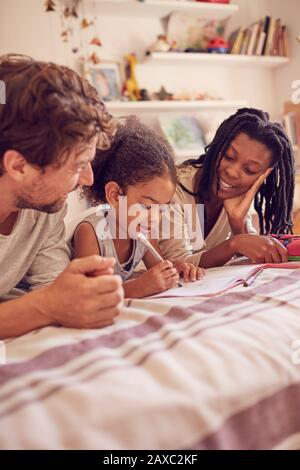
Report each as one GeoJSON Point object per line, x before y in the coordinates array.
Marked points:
{"type": "Point", "coordinates": [292, 244]}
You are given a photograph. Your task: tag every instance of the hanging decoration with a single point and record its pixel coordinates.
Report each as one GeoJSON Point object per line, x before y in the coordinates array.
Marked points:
{"type": "Point", "coordinates": [50, 5]}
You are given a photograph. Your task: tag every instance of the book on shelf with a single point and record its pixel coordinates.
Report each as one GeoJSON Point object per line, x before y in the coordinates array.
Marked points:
{"type": "Point", "coordinates": [235, 41]}
{"type": "Point", "coordinates": [253, 38]}
{"type": "Point", "coordinates": [291, 122]}
{"type": "Point", "coordinates": [266, 37]}
{"type": "Point", "coordinates": [267, 20]}
{"type": "Point", "coordinates": [260, 43]}
{"type": "Point", "coordinates": [275, 43]}
{"type": "Point", "coordinates": [285, 41]}
{"type": "Point", "coordinates": [246, 41]}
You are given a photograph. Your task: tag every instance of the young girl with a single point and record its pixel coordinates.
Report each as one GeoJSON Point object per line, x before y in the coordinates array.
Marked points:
{"type": "Point", "coordinates": [136, 175]}
{"type": "Point", "coordinates": [250, 159]}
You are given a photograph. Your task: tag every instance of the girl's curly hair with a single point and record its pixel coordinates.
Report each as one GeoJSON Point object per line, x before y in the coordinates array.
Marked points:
{"type": "Point", "coordinates": [137, 154]}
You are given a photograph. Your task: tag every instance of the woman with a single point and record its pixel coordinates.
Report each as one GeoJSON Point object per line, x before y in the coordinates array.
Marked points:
{"type": "Point", "coordinates": [250, 159]}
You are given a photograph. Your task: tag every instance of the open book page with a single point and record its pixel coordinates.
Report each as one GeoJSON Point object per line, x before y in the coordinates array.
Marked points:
{"type": "Point", "coordinates": [214, 281]}
{"type": "Point", "coordinates": [219, 280]}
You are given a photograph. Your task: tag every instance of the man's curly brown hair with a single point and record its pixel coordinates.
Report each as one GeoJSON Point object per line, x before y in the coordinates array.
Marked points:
{"type": "Point", "coordinates": [49, 109]}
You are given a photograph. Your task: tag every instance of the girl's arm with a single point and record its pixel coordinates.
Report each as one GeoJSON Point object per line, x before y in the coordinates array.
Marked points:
{"type": "Point", "coordinates": [138, 287]}
{"type": "Point", "coordinates": [85, 241]}
{"type": "Point", "coordinates": [160, 275]}
{"type": "Point", "coordinates": [157, 279]}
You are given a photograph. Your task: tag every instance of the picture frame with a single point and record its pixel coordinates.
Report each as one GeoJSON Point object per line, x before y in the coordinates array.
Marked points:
{"type": "Point", "coordinates": [184, 133]}
{"type": "Point", "coordinates": [106, 78]}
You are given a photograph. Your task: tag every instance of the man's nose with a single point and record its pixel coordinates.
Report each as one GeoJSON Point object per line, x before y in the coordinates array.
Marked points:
{"type": "Point", "coordinates": [86, 176]}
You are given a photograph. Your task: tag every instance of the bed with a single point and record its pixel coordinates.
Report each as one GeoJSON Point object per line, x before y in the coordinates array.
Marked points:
{"type": "Point", "coordinates": [172, 373]}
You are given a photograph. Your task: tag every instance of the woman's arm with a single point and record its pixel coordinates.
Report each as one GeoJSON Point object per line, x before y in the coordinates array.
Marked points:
{"type": "Point", "coordinates": [258, 248]}
{"type": "Point", "coordinates": [85, 241]}
{"type": "Point", "coordinates": [219, 255]}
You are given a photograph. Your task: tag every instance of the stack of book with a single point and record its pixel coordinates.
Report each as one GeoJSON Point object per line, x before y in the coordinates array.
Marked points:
{"type": "Point", "coordinates": [265, 37]}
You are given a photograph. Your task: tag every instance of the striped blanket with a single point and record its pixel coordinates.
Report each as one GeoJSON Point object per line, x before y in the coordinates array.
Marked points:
{"type": "Point", "coordinates": [190, 373]}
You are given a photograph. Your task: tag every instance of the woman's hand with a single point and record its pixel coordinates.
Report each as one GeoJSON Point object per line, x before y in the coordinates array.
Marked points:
{"type": "Point", "coordinates": [188, 271]}
{"type": "Point", "coordinates": [259, 248]}
{"type": "Point", "coordinates": [237, 208]}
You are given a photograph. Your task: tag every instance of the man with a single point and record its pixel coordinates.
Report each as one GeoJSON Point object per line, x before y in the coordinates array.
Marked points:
{"type": "Point", "coordinates": [50, 125]}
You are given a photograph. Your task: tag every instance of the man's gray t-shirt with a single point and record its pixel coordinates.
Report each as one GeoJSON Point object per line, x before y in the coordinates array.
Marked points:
{"type": "Point", "coordinates": [35, 251]}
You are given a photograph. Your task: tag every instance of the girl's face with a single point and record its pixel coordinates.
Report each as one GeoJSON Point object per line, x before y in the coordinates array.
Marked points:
{"type": "Point", "coordinates": [148, 200]}
{"type": "Point", "coordinates": [244, 162]}
{"type": "Point", "coordinates": [141, 207]}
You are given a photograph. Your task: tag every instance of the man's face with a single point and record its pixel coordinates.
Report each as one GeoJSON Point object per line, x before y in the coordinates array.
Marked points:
{"type": "Point", "coordinates": [48, 190]}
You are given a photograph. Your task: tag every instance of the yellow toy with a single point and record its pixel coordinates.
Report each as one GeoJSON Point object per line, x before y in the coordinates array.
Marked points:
{"type": "Point", "coordinates": [131, 88]}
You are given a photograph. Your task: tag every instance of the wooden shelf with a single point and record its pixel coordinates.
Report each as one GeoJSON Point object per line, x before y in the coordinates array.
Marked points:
{"type": "Point", "coordinates": [150, 106]}
{"type": "Point", "coordinates": [177, 58]}
{"type": "Point", "coordinates": [161, 8]}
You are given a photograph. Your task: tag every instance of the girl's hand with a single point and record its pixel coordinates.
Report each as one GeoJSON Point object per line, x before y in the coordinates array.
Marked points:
{"type": "Point", "coordinates": [188, 271]}
{"type": "Point", "coordinates": [159, 278]}
{"type": "Point", "coordinates": [237, 208]}
{"type": "Point", "coordinates": [259, 248]}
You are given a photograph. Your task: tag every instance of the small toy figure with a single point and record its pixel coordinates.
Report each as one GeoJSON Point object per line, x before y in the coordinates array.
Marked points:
{"type": "Point", "coordinates": [161, 44]}
{"type": "Point", "coordinates": [50, 5]}
{"type": "Point", "coordinates": [194, 50]}
{"type": "Point", "coordinates": [144, 96]}
{"type": "Point", "coordinates": [65, 35]}
{"type": "Point", "coordinates": [218, 45]}
{"type": "Point", "coordinates": [96, 41]}
{"type": "Point", "coordinates": [131, 88]}
{"type": "Point", "coordinates": [94, 58]}
{"type": "Point", "coordinates": [163, 95]}
{"type": "Point", "coordinates": [86, 24]}
{"type": "Point", "coordinates": [174, 47]}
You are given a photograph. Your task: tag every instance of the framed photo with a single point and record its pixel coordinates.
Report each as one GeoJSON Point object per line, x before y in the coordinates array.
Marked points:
{"type": "Point", "coordinates": [183, 133]}
{"type": "Point", "coordinates": [106, 78]}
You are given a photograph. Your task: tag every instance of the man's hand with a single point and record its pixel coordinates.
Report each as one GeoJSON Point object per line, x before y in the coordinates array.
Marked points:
{"type": "Point", "coordinates": [85, 295]}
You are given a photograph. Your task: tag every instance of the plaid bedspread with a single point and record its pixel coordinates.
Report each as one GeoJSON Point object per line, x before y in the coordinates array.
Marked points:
{"type": "Point", "coordinates": [190, 373]}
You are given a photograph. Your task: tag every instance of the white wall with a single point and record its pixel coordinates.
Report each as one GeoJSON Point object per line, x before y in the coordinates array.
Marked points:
{"type": "Point", "coordinates": [26, 28]}
{"type": "Point", "coordinates": [290, 14]}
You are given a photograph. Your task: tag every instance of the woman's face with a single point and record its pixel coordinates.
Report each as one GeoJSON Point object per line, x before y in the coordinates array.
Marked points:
{"type": "Point", "coordinates": [244, 162]}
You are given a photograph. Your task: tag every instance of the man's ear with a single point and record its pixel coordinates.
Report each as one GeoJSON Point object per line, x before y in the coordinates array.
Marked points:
{"type": "Point", "coordinates": [15, 165]}
{"type": "Point", "coordinates": [112, 193]}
